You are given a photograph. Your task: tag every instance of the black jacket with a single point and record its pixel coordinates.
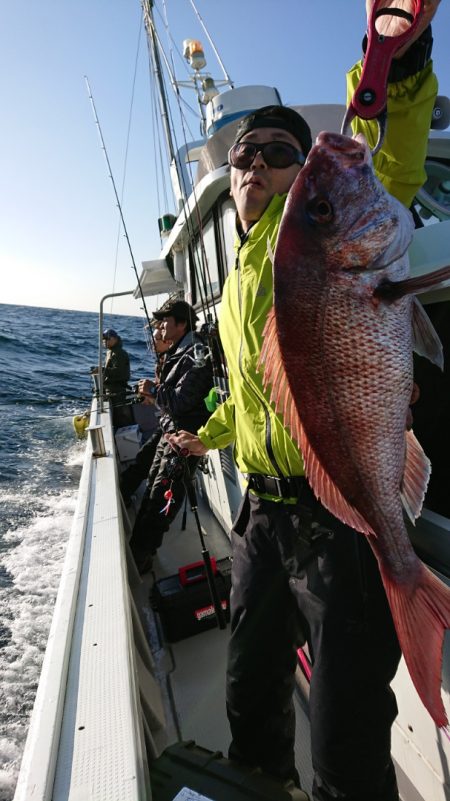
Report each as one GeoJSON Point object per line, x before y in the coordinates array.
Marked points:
{"type": "Point", "coordinates": [183, 386]}
{"type": "Point", "coordinates": [116, 371]}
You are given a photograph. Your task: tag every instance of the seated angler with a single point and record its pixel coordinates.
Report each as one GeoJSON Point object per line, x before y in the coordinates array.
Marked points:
{"type": "Point", "coordinates": [184, 383]}
{"type": "Point", "coordinates": [136, 473]}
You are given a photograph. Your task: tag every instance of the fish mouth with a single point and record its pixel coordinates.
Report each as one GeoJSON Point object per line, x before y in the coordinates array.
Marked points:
{"type": "Point", "coordinates": [350, 152]}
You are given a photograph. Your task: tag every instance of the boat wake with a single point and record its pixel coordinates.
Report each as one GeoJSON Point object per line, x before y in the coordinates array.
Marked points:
{"type": "Point", "coordinates": [30, 567]}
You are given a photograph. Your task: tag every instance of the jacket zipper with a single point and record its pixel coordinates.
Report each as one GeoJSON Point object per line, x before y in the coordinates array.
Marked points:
{"type": "Point", "coordinates": [262, 401]}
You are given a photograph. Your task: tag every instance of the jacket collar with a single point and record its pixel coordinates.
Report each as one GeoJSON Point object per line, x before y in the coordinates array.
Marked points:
{"type": "Point", "coordinates": [186, 342]}
{"type": "Point", "coordinates": [273, 209]}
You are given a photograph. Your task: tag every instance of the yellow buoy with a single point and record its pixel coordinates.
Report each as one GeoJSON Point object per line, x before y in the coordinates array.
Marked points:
{"type": "Point", "coordinates": [80, 424]}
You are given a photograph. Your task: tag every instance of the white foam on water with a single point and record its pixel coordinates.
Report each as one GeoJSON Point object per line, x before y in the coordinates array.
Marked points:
{"type": "Point", "coordinates": [75, 457]}
{"type": "Point", "coordinates": [33, 568]}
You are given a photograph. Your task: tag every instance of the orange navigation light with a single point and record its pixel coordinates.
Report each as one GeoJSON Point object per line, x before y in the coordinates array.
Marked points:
{"type": "Point", "coordinates": [193, 53]}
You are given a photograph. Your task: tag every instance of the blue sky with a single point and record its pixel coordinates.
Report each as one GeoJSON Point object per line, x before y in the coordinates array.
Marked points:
{"type": "Point", "coordinates": [58, 216]}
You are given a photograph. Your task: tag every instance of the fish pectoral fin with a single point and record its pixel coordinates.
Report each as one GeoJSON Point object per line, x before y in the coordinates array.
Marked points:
{"type": "Point", "coordinates": [275, 375]}
{"type": "Point", "coordinates": [415, 477]}
{"type": "Point", "coordinates": [390, 291]}
{"type": "Point", "coordinates": [426, 339]}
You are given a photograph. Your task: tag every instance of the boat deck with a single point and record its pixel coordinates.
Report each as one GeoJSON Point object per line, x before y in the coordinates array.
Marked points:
{"type": "Point", "coordinates": [192, 671]}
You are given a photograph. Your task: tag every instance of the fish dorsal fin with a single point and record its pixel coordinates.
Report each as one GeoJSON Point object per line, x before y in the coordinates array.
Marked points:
{"type": "Point", "coordinates": [321, 483]}
{"type": "Point", "coordinates": [426, 339]}
{"type": "Point", "coordinates": [415, 478]}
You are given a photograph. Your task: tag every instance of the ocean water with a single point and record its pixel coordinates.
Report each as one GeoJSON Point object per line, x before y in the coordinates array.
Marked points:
{"type": "Point", "coordinates": [45, 355]}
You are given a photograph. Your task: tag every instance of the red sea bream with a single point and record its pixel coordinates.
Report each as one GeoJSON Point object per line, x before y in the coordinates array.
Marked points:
{"type": "Point", "coordinates": [338, 354]}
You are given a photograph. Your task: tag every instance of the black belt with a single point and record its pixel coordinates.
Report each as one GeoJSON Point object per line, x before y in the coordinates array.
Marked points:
{"type": "Point", "coordinates": [281, 487]}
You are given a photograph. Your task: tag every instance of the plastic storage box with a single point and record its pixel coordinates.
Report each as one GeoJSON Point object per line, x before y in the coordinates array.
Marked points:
{"type": "Point", "coordinates": [184, 603]}
{"type": "Point", "coordinates": [128, 442]}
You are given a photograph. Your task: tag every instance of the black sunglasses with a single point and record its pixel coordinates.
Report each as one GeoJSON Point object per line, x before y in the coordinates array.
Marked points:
{"type": "Point", "coordinates": [275, 154]}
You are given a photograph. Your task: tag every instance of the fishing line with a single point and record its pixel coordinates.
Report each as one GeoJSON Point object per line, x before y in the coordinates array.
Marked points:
{"type": "Point", "coordinates": [198, 256]}
{"type": "Point", "coordinates": [155, 47]}
{"type": "Point", "coordinates": [126, 156]}
{"type": "Point", "coordinates": [202, 276]}
{"type": "Point", "coordinates": [214, 48]}
{"type": "Point", "coordinates": [119, 206]}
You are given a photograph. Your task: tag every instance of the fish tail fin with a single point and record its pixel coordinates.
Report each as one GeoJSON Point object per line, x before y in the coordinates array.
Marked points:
{"type": "Point", "coordinates": [421, 618]}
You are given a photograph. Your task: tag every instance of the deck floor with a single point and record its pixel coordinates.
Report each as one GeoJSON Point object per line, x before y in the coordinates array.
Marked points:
{"type": "Point", "coordinates": [192, 671]}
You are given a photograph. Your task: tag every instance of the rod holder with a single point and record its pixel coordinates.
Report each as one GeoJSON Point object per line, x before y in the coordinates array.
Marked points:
{"type": "Point", "coordinates": [97, 441]}
{"type": "Point", "coordinates": [96, 381]}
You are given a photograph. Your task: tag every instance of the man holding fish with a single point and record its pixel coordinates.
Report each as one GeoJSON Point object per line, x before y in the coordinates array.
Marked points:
{"type": "Point", "coordinates": [319, 350]}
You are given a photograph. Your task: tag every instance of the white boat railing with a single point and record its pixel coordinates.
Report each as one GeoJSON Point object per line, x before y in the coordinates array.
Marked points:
{"type": "Point", "coordinates": [88, 737]}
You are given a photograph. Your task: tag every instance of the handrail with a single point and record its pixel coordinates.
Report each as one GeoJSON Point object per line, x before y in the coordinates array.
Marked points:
{"type": "Point", "coordinates": [100, 342]}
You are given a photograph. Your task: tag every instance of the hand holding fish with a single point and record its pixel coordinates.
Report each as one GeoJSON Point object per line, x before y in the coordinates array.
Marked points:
{"type": "Point", "coordinates": [391, 25]}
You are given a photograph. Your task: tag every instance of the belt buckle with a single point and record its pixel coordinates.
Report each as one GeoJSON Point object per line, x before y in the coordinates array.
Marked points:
{"type": "Point", "coordinates": [275, 486]}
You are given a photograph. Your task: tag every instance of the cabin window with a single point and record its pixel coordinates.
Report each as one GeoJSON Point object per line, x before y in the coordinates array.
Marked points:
{"type": "Point", "coordinates": [431, 412]}
{"type": "Point", "coordinates": [206, 265]}
{"type": "Point", "coordinates": [227, 217]}
{"type": "Point", "coordinates": [432, 202]}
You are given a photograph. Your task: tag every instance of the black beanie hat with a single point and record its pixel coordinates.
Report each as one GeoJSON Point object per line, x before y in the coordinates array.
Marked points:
{"type": "Point", "coordinates": [277, 117]}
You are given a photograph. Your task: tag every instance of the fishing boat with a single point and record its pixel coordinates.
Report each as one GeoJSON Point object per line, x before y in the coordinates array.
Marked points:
{"type": "Point", "coordinates": [131, 698]}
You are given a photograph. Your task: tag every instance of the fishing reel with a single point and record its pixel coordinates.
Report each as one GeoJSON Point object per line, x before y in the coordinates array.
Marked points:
{"type": "Point", "coordinates": [175, 466]}
{"type": "Point", "coordinates": [209, 329]}
{"type": "Point", "coordinates": [136, 395]}
{"type": "Point", "coordinates": [201, 354]}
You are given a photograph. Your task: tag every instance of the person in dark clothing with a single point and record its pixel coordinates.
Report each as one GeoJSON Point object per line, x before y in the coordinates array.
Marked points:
{"type": "Point", "coordinates": [186, 378]}
{"type": "Point", "coordinates": [116, 372]}
{"type": "Point", "coordinates": [137, 472]}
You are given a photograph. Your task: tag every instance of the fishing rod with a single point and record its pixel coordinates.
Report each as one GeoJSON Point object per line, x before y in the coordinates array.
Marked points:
{"type": "Point", "coordinates": [178, 468]}
{"type": "Point", "coordinates": [119, 206]}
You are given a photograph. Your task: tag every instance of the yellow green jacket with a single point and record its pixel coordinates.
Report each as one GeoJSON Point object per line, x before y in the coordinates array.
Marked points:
{"type": "Point", "coordinates": [247, 418]}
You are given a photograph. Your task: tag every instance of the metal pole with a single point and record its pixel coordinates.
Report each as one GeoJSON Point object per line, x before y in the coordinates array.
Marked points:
{"type": "Point", "coordinates": [100, 342]}
{"type": "Point", "coordinates": [147, 8]}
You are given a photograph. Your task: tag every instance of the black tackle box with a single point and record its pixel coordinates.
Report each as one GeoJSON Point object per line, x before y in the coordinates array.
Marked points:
{"type": "Point", "coordinates": [184, 602]}
{"type": "Point", "coordinates": [187, 772]}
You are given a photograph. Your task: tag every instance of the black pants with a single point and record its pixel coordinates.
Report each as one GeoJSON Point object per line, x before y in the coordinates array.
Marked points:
{"type": "Point", "coordinates": [298, 572]}
{"type": "Point", "coordinates": [136, 473]}
{"type": "Point", "coordinates": [151, 523]}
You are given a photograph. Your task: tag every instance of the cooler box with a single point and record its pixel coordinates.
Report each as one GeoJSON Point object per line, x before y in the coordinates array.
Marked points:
{"type": "Point", "coordinates": [184, 603]}
{"type": "Point", "coordinates": [187, 772]}
{"type": "Point", "coordinates": [128, 442]}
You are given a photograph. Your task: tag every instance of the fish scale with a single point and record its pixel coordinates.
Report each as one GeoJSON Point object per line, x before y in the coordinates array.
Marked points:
{"type": "Point", "coordinates": [345, 384]}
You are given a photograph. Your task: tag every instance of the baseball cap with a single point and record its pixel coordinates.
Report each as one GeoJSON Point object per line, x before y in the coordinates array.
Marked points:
{"type": "Point", "coordinates": [110, 333]}
{"type": "Point", "coordinates": [176, 308]}
{"type": "Point", "coordinates": [277, 117]}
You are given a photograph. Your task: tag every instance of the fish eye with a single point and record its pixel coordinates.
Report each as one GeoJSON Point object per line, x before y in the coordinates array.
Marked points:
{"type": "Point", "coordinates": [320, 210]}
